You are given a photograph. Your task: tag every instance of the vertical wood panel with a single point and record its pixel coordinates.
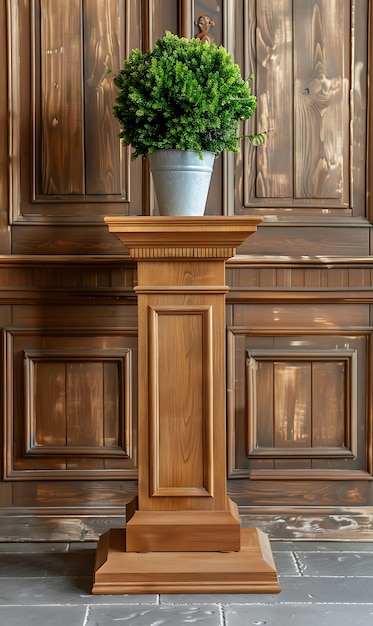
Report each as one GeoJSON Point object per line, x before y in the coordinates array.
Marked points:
{"type": "Point", "coordinates": [101, 45]}
{"type": "Point", "coordinates": [62, 150]}
{"type": "Point", "coordinates": [329, 419]}
{"type": "Point", "coordinates": [50, 404]}
{"type": "Point", "coordinates": [321, 116]}
{"type": "Point", "coordinates": [265, 408]}
{"type": "Point", "coordinates": [84, 401]}
{"type": "Point", "coordinates": [5, 149]}
{"type": "Point", "coordinates": [273, 68]}
{"type": "Point", "coordinates": [111, 404]}
{"type": "Point", "coordinates": [292, 410]}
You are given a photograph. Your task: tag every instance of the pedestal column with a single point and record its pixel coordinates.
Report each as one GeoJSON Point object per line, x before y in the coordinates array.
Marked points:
{"type": "Point", "coordinates": [183, 534]}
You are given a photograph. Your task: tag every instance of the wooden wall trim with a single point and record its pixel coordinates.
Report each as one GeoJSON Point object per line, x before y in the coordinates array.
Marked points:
{"type": "Point", "coordinates": [35, 260]}
{"type": "Point", "coordinates": [186, 19]}
{"type": "Point", "coordinates": [369, 179]}
{"type": "Point", "coordinates": [279, 523]}
{"type": "Point", "coordinates": [326, 262]}
{"type": "Point", "coordinates": [318, 524]}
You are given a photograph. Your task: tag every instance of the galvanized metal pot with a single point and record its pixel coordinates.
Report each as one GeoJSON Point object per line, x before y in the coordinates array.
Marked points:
{"type": "Point", "coordinates": [181, 180]}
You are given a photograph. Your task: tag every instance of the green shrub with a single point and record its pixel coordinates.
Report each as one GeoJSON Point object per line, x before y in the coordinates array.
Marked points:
{"type": "Point", "coordinates": [184, 94]}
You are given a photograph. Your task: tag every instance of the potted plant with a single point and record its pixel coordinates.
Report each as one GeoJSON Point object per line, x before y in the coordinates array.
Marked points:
{"type": "Point", "coordinates": [182, 103]}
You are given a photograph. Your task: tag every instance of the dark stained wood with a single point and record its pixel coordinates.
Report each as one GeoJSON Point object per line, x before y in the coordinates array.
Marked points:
{"type": "Point", "coordinates": [300, 427]}
{"type": "Point", "coordinates": [4, 148]}
{"type": "Point", "coordinates": [102, 45]}
{"type": "Point", "coordinates": [330, 421]}
{"type": "Point", "coordinates": [48, 420]}
{"type": "Point", "coordinates": [62, 147]}
{"type": "Point", "coordinates": [43, 527]}
{"type": "Point", "coordinates": [90, 495]}
{"type": "Point", "coordinates": [317, 408]}
{"type": "Point", "coordinates": [312, 166]}
{"type": "Point", "coordinates": [302, 493]}
{"type": "Point", "coordinates": [292, 414]}
{"type": "Point", "coordinates": [308, 241]}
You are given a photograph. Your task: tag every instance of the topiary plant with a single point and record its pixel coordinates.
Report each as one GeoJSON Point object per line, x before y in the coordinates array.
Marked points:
{"type": "Point", "coordinates": [184, 94]}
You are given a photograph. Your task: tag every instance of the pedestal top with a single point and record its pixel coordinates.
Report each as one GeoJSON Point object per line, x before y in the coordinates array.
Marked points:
{"type": "Point", "coordinates": [182, 237]}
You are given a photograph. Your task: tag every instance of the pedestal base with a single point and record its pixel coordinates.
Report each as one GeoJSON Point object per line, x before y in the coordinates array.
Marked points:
{"type": "Point", "coordinates": [250, 570]}
{"type": "Point", "coordinates": [183, 531]}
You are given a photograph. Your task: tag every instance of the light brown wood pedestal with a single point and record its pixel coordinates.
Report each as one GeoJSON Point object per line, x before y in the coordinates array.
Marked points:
{"type": "Point", "coordinates": [250, 570]}
{"type": "Point", "coordinates": [184, 535]}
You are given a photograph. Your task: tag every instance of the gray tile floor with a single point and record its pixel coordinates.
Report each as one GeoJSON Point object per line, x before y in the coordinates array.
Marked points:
{"type": "Point", "coordinates": [323, 583]}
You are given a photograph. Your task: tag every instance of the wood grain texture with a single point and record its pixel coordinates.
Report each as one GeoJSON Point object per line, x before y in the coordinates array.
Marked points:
{"type": "Point", "coordinates": [181, 421]}
{"type": "Point", "coordinates": [251, 570]}
{"type": "Point", "coordinates": [62, 149]}
{"type": "Point", "coordinates": [70, 409]}
{"type": "Point", "coordinates": [181, 415]}
{"type": "Point", "coordinates": [271, 59]}
{"type": "Point", "coordinates": [321, 119]}
{"type": "Point", "coordinates": [303, 411]}
{"type": "Point", "coordinates": [310, 279]}
{"type": "Point", "coordinates": [102, 45]}
{"type": "Point", "coordinates": [4, 145]}
{"type": "Point", "coordinates": [310, 90]}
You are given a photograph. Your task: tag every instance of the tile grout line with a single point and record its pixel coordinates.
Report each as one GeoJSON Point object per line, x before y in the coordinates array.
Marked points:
{"type": "Point", "coordinates": [222, 615]}
{"type": "Point", "coordinates": [297, 562]}
{"type": "Point", "coordinates": [87, 613]}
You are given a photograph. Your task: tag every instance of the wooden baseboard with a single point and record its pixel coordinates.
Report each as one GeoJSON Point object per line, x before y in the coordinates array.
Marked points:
{"type": "Point", "coordinates": [278, 524]}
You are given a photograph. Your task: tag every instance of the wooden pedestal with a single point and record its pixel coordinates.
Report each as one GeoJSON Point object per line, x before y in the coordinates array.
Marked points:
{"type": "Point", "coordinates": [184, 534]}
{"type": "Point", "coordinates": [250, 570]}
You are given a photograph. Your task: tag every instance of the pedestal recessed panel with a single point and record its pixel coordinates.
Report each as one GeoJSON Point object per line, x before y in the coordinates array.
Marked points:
{"type": "Point", "coordinates": [251, 570]}
{"type": "Point", "coordinates": [180, 388]}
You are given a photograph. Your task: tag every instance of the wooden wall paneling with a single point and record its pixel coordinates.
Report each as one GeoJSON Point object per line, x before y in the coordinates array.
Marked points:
{"type": "Point", "coordinates": [66, 496]}
{"type": "Point", "coordinates": [104, 175]}
{"type": "Point", "coordinates": [53, 239]}
{"type": "Point", "coordinates": [46, 423]}
{"type": "Point", "coordinates": [75, 107]}
{"type": "Point", "coordinates": [332, 421]}
{"type": "Point", "coordinates": [271, 60]}
{"type": "Point", "coordinates": [303, 241]}
{"type": "Point", "coordinates": [4, 139]}
{"type": "Point", "coordinates": [315, 523]}
{"type": "Point", "coordinates": [352, 493]}
{"type": "Point", "coordinates": [312, 316]}
{"type": "Point", "coordinates": [361, 103]}
{"type": "Point", "coordinates": [186, 18]}
{"type": "Point", "coordinates": [68, 167]}
{"type": "Point", "coordinates": [96, 317]}
{"type": "Point", "coordinates": [34, 525]}
{"type": "Point", "coordinates": [332, 425]}
{"type": "Point", "coordinates": [5, 493]}
{"type": "Point", "coordinates": [307, 410]}
{"type": "Point", "coordinates": [321, 99]}
{"type": "Point", "coordinates": [369, 138]}
{"type": "Point", "coordinates": [323, 274]}
{"type": "Point", "coordinates": [61, 151]}
{"type": "Point", "coordinates": [312, 116]}
{"type": "Point", "coordinates": [62, 399]}
{"type": "Point", "coordinates": [292, 406]}
{"type": "Point", "coordinates": [343, 420]}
